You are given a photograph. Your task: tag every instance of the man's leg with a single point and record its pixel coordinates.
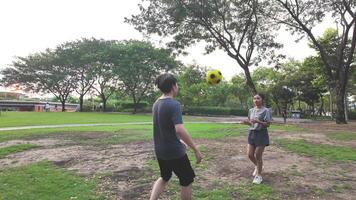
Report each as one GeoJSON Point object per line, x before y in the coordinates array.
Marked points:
{"type": "Point", "coordinates": [158, 188]}
{"type": "Point", "coordinates": [186, 192]}
{"type": "Point", "coordinates": [259, 154]}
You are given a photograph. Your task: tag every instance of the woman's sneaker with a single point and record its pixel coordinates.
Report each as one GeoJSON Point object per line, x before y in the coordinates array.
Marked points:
{"type": "Point", "coordinates": [257, 180]}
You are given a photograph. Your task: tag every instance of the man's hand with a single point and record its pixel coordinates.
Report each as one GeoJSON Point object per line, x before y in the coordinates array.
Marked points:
{"type": "Point", "coordinates": [198, 156]}
{"type": "Point", "coordinates": [185, 145]}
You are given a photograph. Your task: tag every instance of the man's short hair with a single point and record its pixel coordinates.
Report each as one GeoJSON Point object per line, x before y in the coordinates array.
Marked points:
{"type": "Point", "coordinates": [165, 82]}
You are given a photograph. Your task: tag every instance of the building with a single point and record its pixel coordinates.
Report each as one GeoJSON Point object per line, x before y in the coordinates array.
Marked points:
{"type": "Point", "coordinates": [36, 106]}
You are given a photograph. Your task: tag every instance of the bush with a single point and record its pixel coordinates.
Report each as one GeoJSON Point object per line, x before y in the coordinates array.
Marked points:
{"type": "Point", "coordinates": [116, 106]}
{"type": "Point", "coordinates": [129, 106]}
{"type": "Point", "coordinates": [209, 110]}
{"type": "Point", "coordinates": [352, 115]}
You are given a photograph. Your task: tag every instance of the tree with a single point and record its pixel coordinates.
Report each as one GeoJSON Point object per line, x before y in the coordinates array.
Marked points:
{"type": "Point", "coordinates": [45, 72]}
{"type": "Point", "coordinates": [300, 16]}
{"type": "Point", "coordinates": [310, 82]}
{"type": "Point", "coordinates": [282, 96]}
{"type": "Point", "coordinates": [84, 58]}
{"type": "Point", "coordinates": [237, 27]}
{"type": "Point", "coordinates": [106, 81]}
{"type": "Point", "coordinates": [191, 83]}
{"type": "Point", "coordinates": [240, 90]}
{"type": "Point", "coordinates": [137, 64]}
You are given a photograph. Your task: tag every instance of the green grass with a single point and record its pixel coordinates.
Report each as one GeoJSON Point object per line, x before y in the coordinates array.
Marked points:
{"type": "Point", "coordinates": [329, 152]}
{"type": "Point", "coordinates": [37, 133]}
{"type": "Point", "coordinates": [251, 191]}
{"type": "Point", "coordinates": [343, 136]}
{"type": "Point", "coordinates": [244, 191]}
{"type": "Point", "coordinates": [215, 131]}
{"type": "Point", "coordinates": [286, 127]}
{"type": "Point", "coordinates": [13, 119]}
{"type": "Point", "coordinates": [125, 133]}
{"type": "Point", "coordinates": [15, 149]}
{"type": "Point", "coordinates": [45, 181]}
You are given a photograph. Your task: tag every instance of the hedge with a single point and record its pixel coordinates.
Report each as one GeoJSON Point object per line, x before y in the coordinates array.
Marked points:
{"type": "Point", "coordinates": [210, 110]}
{"type": "Point", "coordinates": [352, 115]}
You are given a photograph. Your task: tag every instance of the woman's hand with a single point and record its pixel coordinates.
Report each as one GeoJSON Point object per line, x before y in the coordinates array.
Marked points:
{"type": "Point", "coordinates": [255, 121]}
{"type": "Point", "coordinates": [258, 121]}
{"type": "Point", "coordinates": [247, 122]}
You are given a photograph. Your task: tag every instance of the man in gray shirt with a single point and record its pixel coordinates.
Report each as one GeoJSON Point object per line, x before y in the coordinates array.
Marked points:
{"type": "Point", "coordinates": [170, 140]}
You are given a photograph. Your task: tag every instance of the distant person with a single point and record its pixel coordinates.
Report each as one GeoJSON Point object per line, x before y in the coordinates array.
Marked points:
{"type": "Point", "coordinates": [101, 106]}
{"type": "Point", "coordinates": [259, 119]}
{"type": "Point", "coordinates": [171, 140]}
{"type": "Point", "coordinates": [46, 107]}
{"type": "Point", "coordinates": [284, 115]}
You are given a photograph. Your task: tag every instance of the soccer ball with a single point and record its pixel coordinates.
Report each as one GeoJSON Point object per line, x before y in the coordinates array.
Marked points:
{"type": "Point", "coordinates": [213, 77]}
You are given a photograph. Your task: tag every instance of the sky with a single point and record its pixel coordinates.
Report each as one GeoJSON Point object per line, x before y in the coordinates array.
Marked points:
{"type": "Point", "coordinates": [30, 26]}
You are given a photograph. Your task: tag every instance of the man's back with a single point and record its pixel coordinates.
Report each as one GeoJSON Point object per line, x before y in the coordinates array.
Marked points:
{"type": "Point", "coordinates": [166, 114]}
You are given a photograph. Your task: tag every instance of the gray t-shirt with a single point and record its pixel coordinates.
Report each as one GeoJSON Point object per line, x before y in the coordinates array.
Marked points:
{"type": "Point", "coordinates": [262, 114]}
{"type": "Point", "coordinates": [166, 114]}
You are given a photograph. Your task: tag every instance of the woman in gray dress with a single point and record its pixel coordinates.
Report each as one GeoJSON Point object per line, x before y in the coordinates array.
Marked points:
{"type": "Point", "coordinates": [259, 119]}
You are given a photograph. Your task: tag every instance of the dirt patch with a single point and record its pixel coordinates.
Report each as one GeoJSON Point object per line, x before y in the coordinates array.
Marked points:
{"type": "Point", "coordinates": [317, 133]}
{"type": "Point", "coordinates": [123, 173]}
{"type": "Point", "coordinates": [83, 136]}
{"type": "Point", "coordinates": [291, 176]}
{"type": "Point", "coordinates": [230, 163]}
{"type": "Point", "coordinates": [127, 183]}
{"type": "Point", "coordinates": [40, 142]}
{"type": "Point", "coordinates": [329, 126]}
{"type": "Point", "coordinates": [85, 159]}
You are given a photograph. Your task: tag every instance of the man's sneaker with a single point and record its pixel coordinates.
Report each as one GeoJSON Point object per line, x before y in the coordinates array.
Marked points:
{"type": "Point", "coordinates": [257, 180]}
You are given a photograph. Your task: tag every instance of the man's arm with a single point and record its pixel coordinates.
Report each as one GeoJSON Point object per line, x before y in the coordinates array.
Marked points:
{"type": "Point", "coordinates": [187, 139]}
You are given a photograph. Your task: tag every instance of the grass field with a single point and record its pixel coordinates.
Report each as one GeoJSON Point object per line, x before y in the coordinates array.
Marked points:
{"type": "Point", "coordinates": [117, 162]}
{"type": "Point", "coordinates": [12, 119]}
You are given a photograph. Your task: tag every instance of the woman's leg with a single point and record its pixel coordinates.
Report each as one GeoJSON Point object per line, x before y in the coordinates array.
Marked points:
{"type": "Point", "coordinates": [251, 153]}
{"type": "Point", "coordinates": [259, 162]}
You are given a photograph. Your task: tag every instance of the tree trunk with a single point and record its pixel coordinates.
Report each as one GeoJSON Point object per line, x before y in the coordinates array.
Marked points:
{"type": "Point", "coordinates": [135, 103]}
{"type": "Point", "coordinates": [81, 97]}
{"type": "Point", "coordinates": [135, 107]}
{"type": "Point", "coordinates": [249, 82]}
{"type": "Point", "coordinates": [104, 104]}
{"type": "Point", "coordinates": [63, 106]}
{"type": "Point", "coordinates": [340, 105]}
{"type": "Point", "coordinates": [321, 109]}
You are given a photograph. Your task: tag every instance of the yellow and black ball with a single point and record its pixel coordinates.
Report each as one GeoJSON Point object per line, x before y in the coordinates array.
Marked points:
{"type": "Point", "coordinates": [213, 77]}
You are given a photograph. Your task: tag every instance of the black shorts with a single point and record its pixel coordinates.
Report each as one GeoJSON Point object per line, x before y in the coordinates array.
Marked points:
{"type": "Point", "coordinates": [258, 138]}
{"type": "Point", "coordinates": [181, 167]}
